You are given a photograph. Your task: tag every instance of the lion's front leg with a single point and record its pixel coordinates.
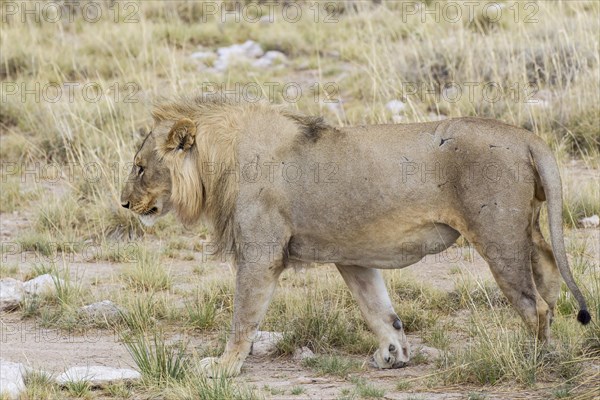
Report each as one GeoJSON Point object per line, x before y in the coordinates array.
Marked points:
{"type": "Point", "coordinates": [255, 285]}
{"type": "Point", "coordinates": [368, 288]}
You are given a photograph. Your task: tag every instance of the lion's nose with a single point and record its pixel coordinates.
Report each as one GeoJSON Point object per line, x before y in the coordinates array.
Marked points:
{"type": "Point", "coordinates": [125, 205]}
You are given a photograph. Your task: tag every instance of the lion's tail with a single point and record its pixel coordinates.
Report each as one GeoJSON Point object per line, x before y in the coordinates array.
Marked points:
{"type": "Point", "coordinates": [548, 170]}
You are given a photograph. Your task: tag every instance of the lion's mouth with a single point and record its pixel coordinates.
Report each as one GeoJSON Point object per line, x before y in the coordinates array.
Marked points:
{"type": "Point", "coordinates": [151, 211]}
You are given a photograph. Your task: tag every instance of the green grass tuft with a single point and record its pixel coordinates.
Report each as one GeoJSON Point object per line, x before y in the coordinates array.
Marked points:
{"type": "Point", "coordinates": [332, 365]}
{"type": "Point", "coordinates": [147, 273]}
{"type": "Point", "coordinates": [158, 362]}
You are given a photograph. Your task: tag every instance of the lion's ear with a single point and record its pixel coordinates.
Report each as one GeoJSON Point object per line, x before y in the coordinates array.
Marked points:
{"type": "Point", "coordinates": [182, 135]}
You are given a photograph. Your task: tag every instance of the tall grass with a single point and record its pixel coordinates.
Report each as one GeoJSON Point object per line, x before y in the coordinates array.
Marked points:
{"type": "Point", "coordinates": [157, 361]}
{"type": "Point", "coordinates": [168, 370]}
{"type": "Point", "coordinates": [147, 273]}
{"type": "Point", "coordinates": [93, 142]}
{"type": "Point", "coordinates": [141, 313]}
{"type": "Point", "coordinates": [210, 305]}
{"type": "Point", "coordinates": [57, 307]}
{"type": "Point", "coordinates": [501, 349]}
{"type": "Point", "coordinates": [582, 199]}
{"type": "Point", "coordinates": [329, 321]}
{"type": "Point", "coordinates": [40, 385]}
{"type": "Point", "coordinates": [199, 386]}
{"type": "Point", "coordinates": [592, 334]}
{"type": "Point", "coordinates": [15, 195]}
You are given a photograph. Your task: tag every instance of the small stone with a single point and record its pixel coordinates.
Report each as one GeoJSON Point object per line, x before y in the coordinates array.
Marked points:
{"type": "Point", "coordinates": [590, 222]}
{"type": "Point", "coordinates": [430, 352]}
{"type": "Point", "coordinates": [436, 117]}
{"type": "Point", "coordinates": [265, 343]}
{"type": "Point", "coordinates": [203, 55]}
{"type": "Point", "coordinates": [303, 380]}
{"type": "Point", "coordinates": [12, 381]}
{"type": "Point", "coordinates": [97, 376]}
{"type": "Point", "coordinates": [303, 66]}
{"type": "Point", "coordinates": [395, 106]}
{"type": "Point", "coordinates": [104, 310]}
{"type": "Point", "coordinates": [397, 119]}
{"type": "Point", "coordinates": [247, 50]}
{"type": "Point", "coordinates": [43, 284]}
{"type": "Point", "coordinates": [262, 63]}
{"type": "Point", "coordinates": [302, 354]}
{"type": "Point", "coordinates": [252, 49]}
{"type": "Point", "coordinates": [269, 59]}
{"type": "Point", "coordinates": [11, 293]}
{"type": "Point", "coordinates": [275, 55]}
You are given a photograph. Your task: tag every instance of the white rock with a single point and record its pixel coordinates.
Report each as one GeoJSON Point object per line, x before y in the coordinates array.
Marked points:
{"type": "Point", "coordinates": [397, 119]}
{"type": "Point", "coordinates": [203, 55]}
{"type": "Point", "coordinates": [12, 381]}
{"type": "Point", "coordinates": [252, 49]}
{"type": "Point", "coordinates": [497, 8]}
{"type": "Point", "coordinates": [97, 375]}
{"type": "Point", "coordinates": [245, 51]}
{"type": "Point", "coordinates": [303, 380]}
{"type": "Point", "coordinates": [270, 58]}
{"type": "Point", "coordinates": [42, 284]}
{"type": "Point", "coordinates": [275, 55]}
{"type": "Point", "coordinates": [265, 342]}
{"type": "Point", "coordinates": [430, 352]}
{"type": "Point", "coordinates": [221, 64]}
{"type": "Point", "coordinates": [436, 117]}
{"type": "Point", "coordinates": [262, 63]}
{"type": "Point", "coordinates": [11, 293]}
{"type": "Point", "coordinates": [538, 103]}
{"type": "Point", "coordinates": [104, 309]}
{"type": "Point", "coordinates": [590, 222]}
{"type": "Point", "coordinates": [302, 353]}
{"type": "Point", "coordinates": [395, 106]}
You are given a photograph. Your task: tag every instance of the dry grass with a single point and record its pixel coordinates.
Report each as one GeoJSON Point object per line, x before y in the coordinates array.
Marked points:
{"type": "Point", "coordinates": [148, 273]}
{"type": "Point", "coordinates": [64, 163]}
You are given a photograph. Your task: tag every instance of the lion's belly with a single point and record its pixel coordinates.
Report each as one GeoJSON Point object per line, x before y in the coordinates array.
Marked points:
{"type": "Point", "coordinates": [374, 246]}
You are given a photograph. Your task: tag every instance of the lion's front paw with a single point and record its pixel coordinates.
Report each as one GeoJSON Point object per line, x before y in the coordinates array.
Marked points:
{"type": "Point", "coordinates": [392, 356]}
{"type": "Point", "coordinates": [215, 367]}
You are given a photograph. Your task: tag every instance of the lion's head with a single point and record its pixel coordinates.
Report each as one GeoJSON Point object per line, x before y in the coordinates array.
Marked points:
{"type": "Point", "coordinates": [149, 188]}
{"type": "Point", "coordinates": [147, 191]}
{"type": "Point", "coordinates": [182, 166]}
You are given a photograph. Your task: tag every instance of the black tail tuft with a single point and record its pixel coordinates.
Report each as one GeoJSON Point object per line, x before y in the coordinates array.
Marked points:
{"type": "Point", "coordinates": [584, 317]}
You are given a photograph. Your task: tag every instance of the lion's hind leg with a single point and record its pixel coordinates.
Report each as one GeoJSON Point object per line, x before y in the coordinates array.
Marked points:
{"type": "Point", "coordinates": [545, 272]}
{"type": "Point", "coordinates": [510, 260]}
{"type": "Point", "coordinates": [368, 288]}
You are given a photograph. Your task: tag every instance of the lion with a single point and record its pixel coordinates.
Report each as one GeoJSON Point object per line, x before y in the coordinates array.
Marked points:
{"type": "Point", "coordinates": [281, 189]}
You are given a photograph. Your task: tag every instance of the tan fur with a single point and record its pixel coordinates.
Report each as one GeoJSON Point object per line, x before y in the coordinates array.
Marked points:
{"type": "Point", "coordinates": [218, 124]}
{"type": "Point", "coordinates": [365, 197]}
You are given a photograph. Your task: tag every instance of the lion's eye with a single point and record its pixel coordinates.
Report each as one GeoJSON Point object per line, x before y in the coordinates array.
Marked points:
{"type": "Point", "coordinates": [140, 170]}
